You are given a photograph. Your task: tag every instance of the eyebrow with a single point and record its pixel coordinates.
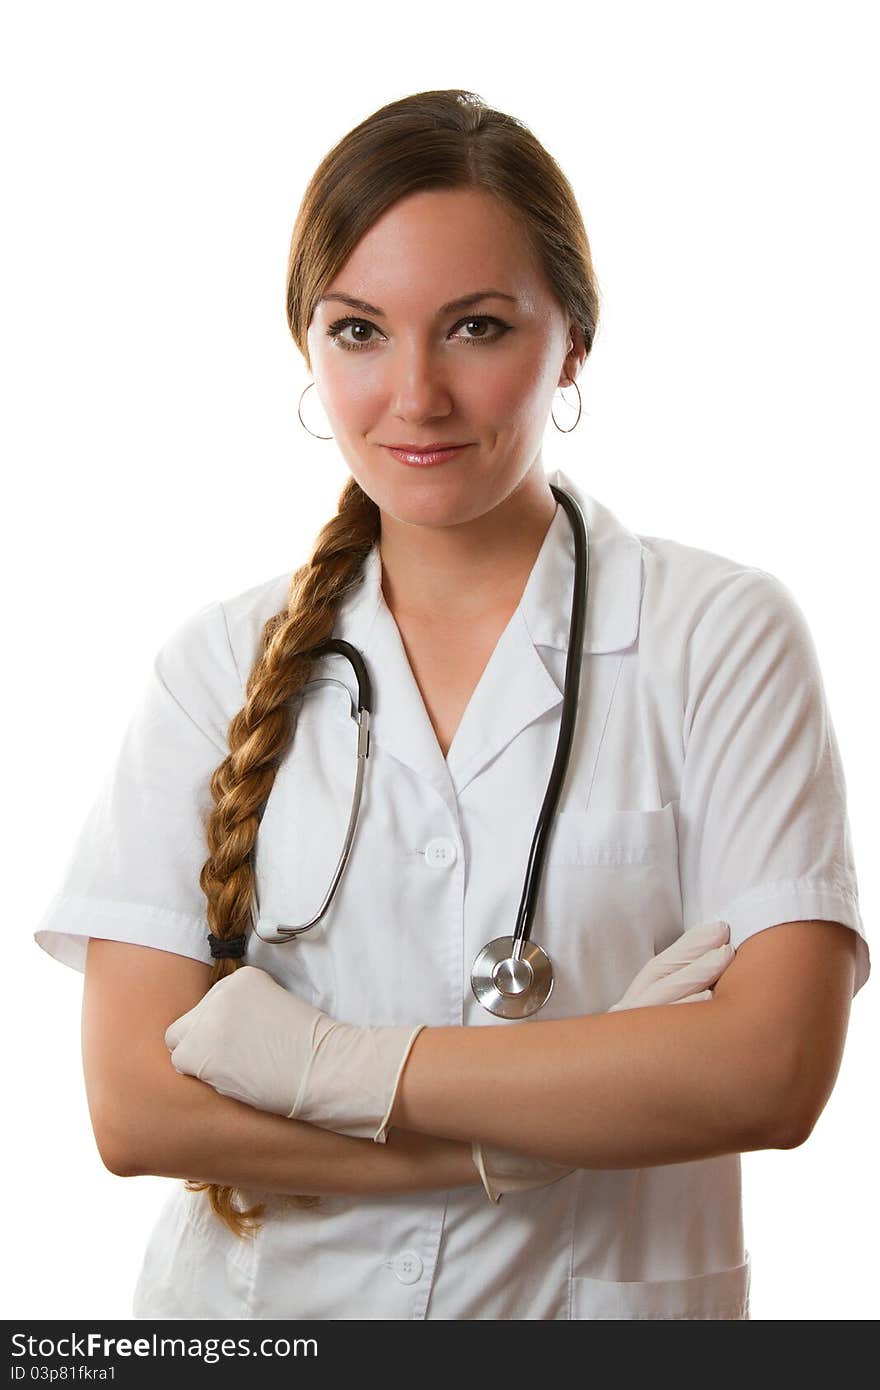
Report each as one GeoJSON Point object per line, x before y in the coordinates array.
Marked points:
{"type": "Point", "coordinates": [464, 302]}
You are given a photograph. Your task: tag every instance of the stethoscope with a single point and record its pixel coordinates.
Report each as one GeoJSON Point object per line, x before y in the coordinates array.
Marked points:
{"type": "Point", "coordinates": [512, 976]}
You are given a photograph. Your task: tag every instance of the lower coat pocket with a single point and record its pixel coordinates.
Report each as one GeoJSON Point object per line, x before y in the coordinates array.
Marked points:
{"type": "Point", "coordinates": [720, 1295]}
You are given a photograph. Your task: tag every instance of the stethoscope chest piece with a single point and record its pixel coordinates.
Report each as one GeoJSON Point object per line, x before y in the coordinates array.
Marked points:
{"type": "Point", "coordinates": [508, 984]}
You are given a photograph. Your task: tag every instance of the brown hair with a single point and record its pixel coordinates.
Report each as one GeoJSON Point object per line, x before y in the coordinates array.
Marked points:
{"type": "Point", "coordinates": [441, 139]}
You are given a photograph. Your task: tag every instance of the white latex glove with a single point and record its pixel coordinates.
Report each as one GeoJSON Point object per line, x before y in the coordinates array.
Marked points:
{"type": "Point", "coordinates": [255, 1041]}
{"type": "Point", "coordinates": [681, 974]}
{"type": "Point", "coordinates": [684, 972]}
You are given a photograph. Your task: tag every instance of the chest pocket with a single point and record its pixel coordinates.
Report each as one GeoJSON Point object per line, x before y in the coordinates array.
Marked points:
{"type": "Point", "coordinates": [610, 900]}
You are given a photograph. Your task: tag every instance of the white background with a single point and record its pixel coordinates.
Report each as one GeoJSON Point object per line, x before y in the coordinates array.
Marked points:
{"type": "Point", "coordinates": [154, 160]}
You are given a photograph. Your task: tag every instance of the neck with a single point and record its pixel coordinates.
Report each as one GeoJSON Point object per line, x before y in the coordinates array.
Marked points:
{"type": "Point", "coordinates": [466, 571]}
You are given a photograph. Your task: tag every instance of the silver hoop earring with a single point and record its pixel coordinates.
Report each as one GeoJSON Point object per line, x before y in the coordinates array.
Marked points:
{"type": "Point", "coordinates": [302, 421]}
{"type": "Point", "coordinates": [580, 405]}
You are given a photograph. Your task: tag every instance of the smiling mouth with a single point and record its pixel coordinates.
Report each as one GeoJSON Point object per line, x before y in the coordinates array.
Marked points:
{"type": "Point", "coordinates": [425, 457]}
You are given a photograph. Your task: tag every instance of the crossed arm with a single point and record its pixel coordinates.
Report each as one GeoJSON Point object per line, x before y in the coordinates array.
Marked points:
{"type": "Point", "coordinates": [751, 1068]}
{"type": "Point", "coordinates": [149, 1119]}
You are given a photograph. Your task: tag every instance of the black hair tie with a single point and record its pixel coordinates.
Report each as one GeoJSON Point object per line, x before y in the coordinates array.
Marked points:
{"type": "Point", "coordinates": [233, 946]}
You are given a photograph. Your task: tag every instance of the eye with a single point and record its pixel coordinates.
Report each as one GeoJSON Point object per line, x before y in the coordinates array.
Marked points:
{"type": "Point", "coordinates": [362, 329]}
{"type": "Point", "coordinates": [483, 321]}
{"type": "Point", "coordinates": [335, 331]}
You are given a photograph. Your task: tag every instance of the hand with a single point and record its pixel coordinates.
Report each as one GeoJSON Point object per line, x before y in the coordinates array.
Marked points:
{"type": "Point", "coordinates": [681, 974]}
{"type": "Point", "coordinates": [255, 1041]}
{"type": "Point", "coordinates": [502, 1170]}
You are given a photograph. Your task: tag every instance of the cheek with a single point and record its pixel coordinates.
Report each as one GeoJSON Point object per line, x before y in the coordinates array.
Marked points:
{"type": "Point", "coordinates": [511, 396]}
{"type": "Point", "coordinates": [348, 388]}
{"type": "Point", "coordinates": [347, 394]}
{"type": "Point", "coordinates": [515, 386]}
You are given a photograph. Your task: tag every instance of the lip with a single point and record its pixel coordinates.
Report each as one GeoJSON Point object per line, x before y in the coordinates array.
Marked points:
{"type": "Point", "coordinates": [426, 457]}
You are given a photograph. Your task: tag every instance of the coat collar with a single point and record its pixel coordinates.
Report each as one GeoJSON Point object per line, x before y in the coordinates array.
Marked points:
{"type": "Point", "coordinates": [516, 687]}
{"type": "Point", "coordinates": [614, 583]}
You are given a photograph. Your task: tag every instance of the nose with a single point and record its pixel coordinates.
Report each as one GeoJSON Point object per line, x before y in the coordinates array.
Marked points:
{"type": "Point", "coordinates": [419, 387]}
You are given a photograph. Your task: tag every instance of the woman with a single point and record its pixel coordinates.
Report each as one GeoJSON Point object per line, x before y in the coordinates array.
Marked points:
{"type": "Point", "coordinates": [347, 1130]}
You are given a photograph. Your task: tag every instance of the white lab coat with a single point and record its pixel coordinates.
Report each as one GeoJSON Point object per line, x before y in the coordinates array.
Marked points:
{"type": "Point", "coordinates": [705, 782]}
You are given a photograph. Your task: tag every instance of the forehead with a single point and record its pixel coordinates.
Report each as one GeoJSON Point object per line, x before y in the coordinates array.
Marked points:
{"type": "Point", "coordinates": [438, 243]}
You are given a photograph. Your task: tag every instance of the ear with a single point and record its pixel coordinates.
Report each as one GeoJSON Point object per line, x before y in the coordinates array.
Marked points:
{"type": "Point", "coordinates": [575, 357]}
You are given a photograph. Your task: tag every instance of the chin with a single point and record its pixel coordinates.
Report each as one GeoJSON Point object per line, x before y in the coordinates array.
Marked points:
{"type": "Point", "coordinates": [417, 502]}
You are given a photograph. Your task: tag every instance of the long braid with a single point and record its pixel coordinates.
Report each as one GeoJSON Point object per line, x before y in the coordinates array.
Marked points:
{"type": "Point", "coordinates": [258, 737]}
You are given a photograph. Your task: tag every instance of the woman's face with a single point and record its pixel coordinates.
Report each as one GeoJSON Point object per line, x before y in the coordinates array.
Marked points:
{"type": "Point", "coordinates": [401, 369]}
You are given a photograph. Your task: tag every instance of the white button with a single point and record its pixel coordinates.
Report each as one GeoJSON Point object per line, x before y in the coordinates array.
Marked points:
{"type": "Point", "coordinates": [407, 1266]}
{"type": "Point", "coordinates": [441, 852]}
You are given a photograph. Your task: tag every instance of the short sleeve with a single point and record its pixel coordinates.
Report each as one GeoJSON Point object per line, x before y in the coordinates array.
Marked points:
{"type": "Point", "coordinates": [764, 836]}
{"type": "Point", "coordinates": [134, 871]}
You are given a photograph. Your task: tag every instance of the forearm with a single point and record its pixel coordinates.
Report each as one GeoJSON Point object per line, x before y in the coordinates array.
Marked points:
{"type": "Point", "coordinates": [631, 1089]}
{"type": "Point", "coordinates": [183, 1128]}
